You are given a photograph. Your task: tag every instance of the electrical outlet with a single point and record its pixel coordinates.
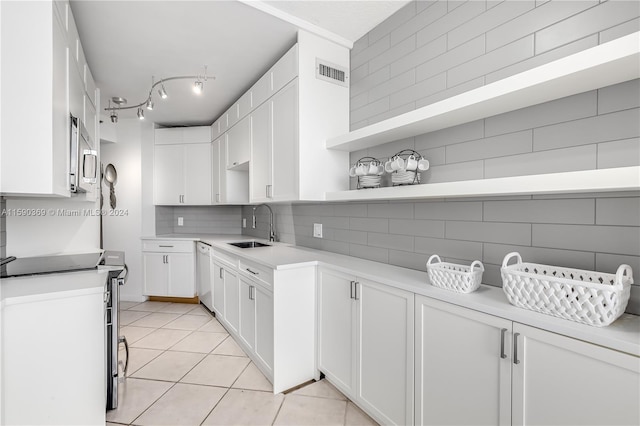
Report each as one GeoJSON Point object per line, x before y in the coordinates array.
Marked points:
{"type": "Point", "coordinates": [180, 221]}
{"type": "Point", "coordinates": [244, 222]}
{"type": "Point", "coordinates": [317, 230]}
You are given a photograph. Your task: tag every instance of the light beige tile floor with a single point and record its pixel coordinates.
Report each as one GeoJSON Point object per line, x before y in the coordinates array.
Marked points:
{"type": "Point", "coordinates": [185, 369]}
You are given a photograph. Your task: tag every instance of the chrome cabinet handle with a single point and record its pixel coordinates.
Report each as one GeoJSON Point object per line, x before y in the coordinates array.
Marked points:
{"type": "Point", "coordinates": [252, 294]}
{"type": "Point", "coordinates": [351, 288]}
{"type": "Point", "coordinates": [266, 191]}
{"type": "Point", "coordinates": [164, 246]}
{"type": "Point", "coordinates": [515, 348]}
{"type": "Point", "coordinates": [167, 258]}
{"type": "Point", "coordinates": [502, 333]}
{"type": "Point", "coordinates": [221, 272]}
{"type": "Point", "coordinates": [355, 288]}
{"type": "Point", "coordinates": [252, 272]}
{"type": "Point", "coordinates": [217, 198]}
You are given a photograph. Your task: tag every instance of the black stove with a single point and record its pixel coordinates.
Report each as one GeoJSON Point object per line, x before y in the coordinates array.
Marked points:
{"type": "Point", "coordinates": [17, 267]}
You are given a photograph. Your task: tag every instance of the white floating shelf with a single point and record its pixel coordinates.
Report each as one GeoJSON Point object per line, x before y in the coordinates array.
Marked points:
{"type": "Point", "coordinates": [603, 180]}
{"type": "Point", "coordinates": [609, 63]}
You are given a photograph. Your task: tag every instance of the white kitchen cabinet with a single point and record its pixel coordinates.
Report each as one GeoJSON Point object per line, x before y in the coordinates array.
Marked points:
{"type": "Point", "coordinates": [89, 84]}
{"type": "Point", "coordinates": [247, 327]}
{"type": "Point", "coordinates": [475, 368]}
{"type": "Point", "coordinates": [218, 288]}
{"type": "Point", "coordinates": [563, 381]}
{"type": "Point", "coordinates": [264, 343]}
{"type": "Point", "coordinates": [461, 377]}
{"type": "Point", "coordinates": [239, 144]}
{"type": "Point", "coordinates": [244, 105]}
{"type": "Point", "coordinates": [36, 53]}
{"type": "Point", "coordinates": [53, 350]}
{"type": "Point", "coordinates": [379, 347]}
{"type": "Point", "coordinates": [231, 300]}
{"type": "Point", "coordinates": [76, 91]}
{"type": "Point", "coordinates": [182, 174]}
{"type": "Point", "coordinates": [274, 148]}
{"type": "Point", "coordinates": [168, 268]}
{"type": "Point", "coordinates": [285, 70]}
{"type": "Point", "coordinates": [337, 341]}
{"type": "Point", "coordinates": [218, 181]}
{"type": "Point", "coordinates": [228, 186]}
{"type": "Point", "coordinates": [261, 90]}
{"type": "Point", "coordinates": [182, 135]}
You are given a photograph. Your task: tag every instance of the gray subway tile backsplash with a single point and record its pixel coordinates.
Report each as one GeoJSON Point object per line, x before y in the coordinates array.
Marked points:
{"type": "Point", "coordinates": [580, 211]}
{"type": "Point", "coordinates": [618, 211]}
{"type": "Point", "coordinates": [596, 238]}
{"type": "Point", "coordinates": [619, 153]}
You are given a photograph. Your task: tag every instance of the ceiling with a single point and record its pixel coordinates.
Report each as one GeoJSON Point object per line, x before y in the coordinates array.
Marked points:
{"type": "Point", "coordinates": [128, 42]}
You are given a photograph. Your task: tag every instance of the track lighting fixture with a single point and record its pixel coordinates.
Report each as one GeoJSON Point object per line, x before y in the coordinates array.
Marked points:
{"type": "Point", "coordinates": [198, 88]}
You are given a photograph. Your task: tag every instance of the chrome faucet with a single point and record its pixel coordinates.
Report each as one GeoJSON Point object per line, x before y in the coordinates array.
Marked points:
{"type": "Point", "coordinates": [272, 231]}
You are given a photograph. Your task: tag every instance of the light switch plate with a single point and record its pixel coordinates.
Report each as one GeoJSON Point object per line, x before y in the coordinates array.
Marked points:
{"type": "Point", "coordinates": [180, 221]}
{"type": "Point", "coordinates": [244, 222]}
{"type": "Point", "coordinates": [317, 230]}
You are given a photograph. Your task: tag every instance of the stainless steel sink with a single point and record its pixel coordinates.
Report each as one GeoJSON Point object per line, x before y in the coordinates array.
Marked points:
{"type": "Point", "coordinates": [249, 244]}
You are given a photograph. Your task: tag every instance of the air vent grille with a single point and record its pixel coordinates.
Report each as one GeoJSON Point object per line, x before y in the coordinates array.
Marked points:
{"type": "Point", "coordinates": [332, 73]}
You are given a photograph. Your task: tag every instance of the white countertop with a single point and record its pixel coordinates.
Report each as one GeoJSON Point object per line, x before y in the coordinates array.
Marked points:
{"type": "Point", "coordinates": [622, 335]}
{"type": "Point", "coordinates": [33, 288]}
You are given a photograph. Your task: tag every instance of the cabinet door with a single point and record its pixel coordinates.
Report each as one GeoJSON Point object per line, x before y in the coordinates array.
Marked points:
{"type": "Point", "coordinates": [461, 377]}
{"type": "Point", "coordinates": [385, 351]}
{"type": "Point", "coordinates": [222, 167]}
{"type": "Point", "coordinates": [563, 381]}
{"type": "Point", "coordinates": [231, 300]}
{"type": "Point", "coordinates": [90, 121]}
{"type": "Point", "coordinates": [264, 327]}
{"type": "Point", "coordinates": [285, 144]}
{"type": "Point", "coordinates": [170, 135]}
{"type": "Point", "coordinates": [336, 329]}
{"type": "Point", "coordinates": [196, 134]}
{"type": "Point", "coordinates": [260, 166]}
{"type": "Point", "coordinates": [239, 143]}
{"type": "Point", "coordinates": [285, 70]}
{"type": "Point", "coordinates": [155, 274]}
{"type": "Point", "coordinates": [247, 327]}
{"type": "Point", "coordinates": [168, 172]}
{"type": "Point", "coordinates": [218, 289]}
{"type": "Point", "coordinates": [181, 275]}
{"type": "Point", "coordinates": [197, 189]}
{"type": "Point", "coordinates": [76, 91]}
{"type": "Point", "coordinates": [215, 172]}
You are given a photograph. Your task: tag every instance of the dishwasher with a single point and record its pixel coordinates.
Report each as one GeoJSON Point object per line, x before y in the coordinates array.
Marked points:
{"type": "Point", "coordinates": [203, 276]}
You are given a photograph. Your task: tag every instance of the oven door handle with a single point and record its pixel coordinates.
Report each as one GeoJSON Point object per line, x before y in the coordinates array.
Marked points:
{"type": "Point", "coordinates": [123, 339]}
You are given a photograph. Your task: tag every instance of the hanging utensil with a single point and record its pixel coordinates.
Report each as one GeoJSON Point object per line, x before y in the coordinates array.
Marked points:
{"type": "Point", "coordinates": [111, 176]}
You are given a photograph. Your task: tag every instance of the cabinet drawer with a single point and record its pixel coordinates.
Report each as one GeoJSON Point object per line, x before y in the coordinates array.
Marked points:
{"type": "Point", "coordinates": [257, 272]}
{"type": "Point", "coordinates": [168, 246]}
{"type": "Point", "coordinates": [225, 258]}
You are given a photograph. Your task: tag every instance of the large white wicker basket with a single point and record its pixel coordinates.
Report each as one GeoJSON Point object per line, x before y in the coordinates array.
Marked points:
{"type": "Point", "coordinates": [588, 297]}
{"type": "Point", "coordinates": [450, 276]}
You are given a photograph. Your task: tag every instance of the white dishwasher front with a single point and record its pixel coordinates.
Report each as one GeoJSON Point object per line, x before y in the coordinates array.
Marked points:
{"type": "Point", "coordinates": [204, 275]}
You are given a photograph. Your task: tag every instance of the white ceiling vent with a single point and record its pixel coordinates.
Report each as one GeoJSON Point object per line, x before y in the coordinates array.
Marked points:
{"type": "Point", "coordinates": [332, 73]}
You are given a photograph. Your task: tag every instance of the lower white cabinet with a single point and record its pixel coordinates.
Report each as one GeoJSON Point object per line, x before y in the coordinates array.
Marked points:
{"type": "Point", "coordinates": [231, 300]}
{"type": "Point", "coordinates": [168, 268]}
{"type": "Point", "coordinates": [218, 288]}
{"type": "Point", "coordinates": [281, 342]}
{"type": "Point", "coordinates": [365, 338]}
{"type": "Point", "coordinates": [563, 381]}
{"type": "Point", "coordinates": [475, 368]}
{"type": "Point", "coordinates": [53, 353]}
{"type": "Point", "coordinates": [256, 322]}
{"type": "Point", "coordinates": [461, 376]}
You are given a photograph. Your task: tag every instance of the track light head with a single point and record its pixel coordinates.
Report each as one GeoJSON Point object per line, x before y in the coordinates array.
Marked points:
{"type": "Point", "coordinates": [140, 113]}
{"type": "Point", "coordinates": [114, 117]}
{"type": "Point", "coordinates": [198, 87]}
{"type": "Point", "coordinates": [162, 92]}
{"type": "Point", "coordinates": [149, 104]}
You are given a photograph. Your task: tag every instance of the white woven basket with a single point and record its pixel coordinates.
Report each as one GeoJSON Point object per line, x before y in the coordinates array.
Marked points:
{"type": "Point", "coordinates": [450, 276]}
{"type": "Point", "coordinates": [588, 297]}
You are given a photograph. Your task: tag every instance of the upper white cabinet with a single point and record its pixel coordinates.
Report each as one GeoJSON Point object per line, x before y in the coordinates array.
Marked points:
{"type": "Point", "coordinates": [274, 147]}
{"type": "Point", "coordinates": [366, 354]}
{"type": "Point", "coordinates": [43, 53]}
{"type": "Point", "coordinates": [36, 53]}
{"type": "Point", "coordinates": [182, 166]}
{"type": "Point", "coordinates": [238, 144]}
